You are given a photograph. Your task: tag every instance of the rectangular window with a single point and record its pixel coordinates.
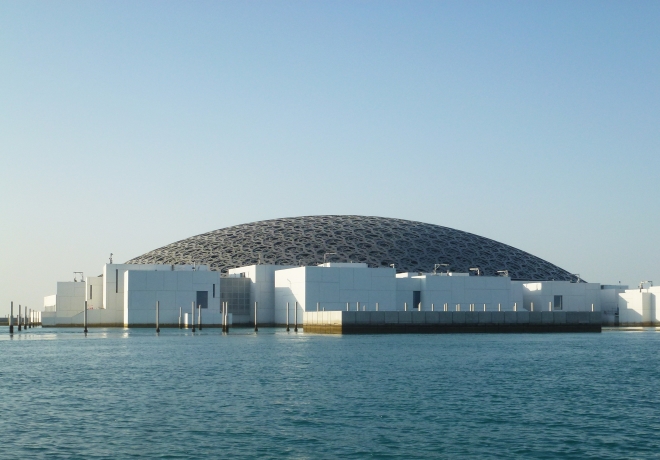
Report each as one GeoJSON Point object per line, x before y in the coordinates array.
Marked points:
{"type": "Point", "coordinates": [203, 299]}
{"type": "Point", "coordinates": [117, 280]}
{"type": "Point", "coordinates": [417, 298]}
{"type": "Point", "coordinates": [90, 292]}
{"type": "Point", "coordinates": [558, 302]}
{"type": "Point", "coordinates": [214, 291]}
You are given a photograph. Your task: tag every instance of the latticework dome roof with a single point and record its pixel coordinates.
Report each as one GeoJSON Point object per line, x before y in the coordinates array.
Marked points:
{"type": "Point", "coordinates": [377, 241]}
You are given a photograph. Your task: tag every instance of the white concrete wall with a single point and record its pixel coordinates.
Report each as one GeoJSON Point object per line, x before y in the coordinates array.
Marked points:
{"type": "Point", "coordinates": [609, 297]}
{"type": "Point", "coordinates": [609, 302]}
{"type": "Point", "coordinates": [289, 287]}
{"type": "Point", "coordinates": [496, 292]}
{"type": "Point", "coordinates": [68, 302]}
{"type": "Point", "coordinates": [655, 304]}
{"type": "Point", "coordinates": [70, 298]}
{"type": "Point", "coordinates": [94, 292]}
{"type": "Point", "coordinates": [639, 307]}
{"type": "Point", "coordinates": [174, 290]}
{"type": "Point", "coordinates": [262, 289]}
{"type": "Point", "coordinates": [113, 280]}
{"type": "Point", "coordinates": [405, 285]}
{"type": "Point", "coordinates": [575, 296]}
{"type": "Point", "coordinates": [333, 287]}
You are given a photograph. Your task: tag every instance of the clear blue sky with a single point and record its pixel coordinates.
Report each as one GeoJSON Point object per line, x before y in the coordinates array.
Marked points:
{"type": "Point", "coordinates": [125, 126]}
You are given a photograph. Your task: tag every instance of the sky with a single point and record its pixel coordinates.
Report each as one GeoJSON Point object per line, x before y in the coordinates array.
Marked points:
{"type": "Point", "coordinates": [126, 126]}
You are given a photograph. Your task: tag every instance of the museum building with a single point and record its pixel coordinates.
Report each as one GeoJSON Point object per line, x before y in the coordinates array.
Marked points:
{"type": "Point", "coordinates": [292, 270]}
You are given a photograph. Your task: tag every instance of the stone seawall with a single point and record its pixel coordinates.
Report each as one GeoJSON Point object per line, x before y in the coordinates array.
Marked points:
{"type": "Point", "coordinates": [361, 322]}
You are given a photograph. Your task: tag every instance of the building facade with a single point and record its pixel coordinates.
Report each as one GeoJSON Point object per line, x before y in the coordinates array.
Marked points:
{"type": "Point", "coordinates": [126, 295]}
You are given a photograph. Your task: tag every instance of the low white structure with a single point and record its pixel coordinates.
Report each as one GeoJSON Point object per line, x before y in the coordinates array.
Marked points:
{"type": "Point", "coordinates": [639, 307]}
{"type": "Point", "coordinates": [126, 295]}
{"type": "Point", "coordinates": [332, 287]}
{"type": "Point", "coordinates": [262, 291]}
{"type": "Point", "coordinates": [69, 301]}
{"type": "Point", "coordinates": [175, 291]}
{"type": "Point", "coordinates": [560, 295]}
{"type": "Point", "coordinates": [479, 293]}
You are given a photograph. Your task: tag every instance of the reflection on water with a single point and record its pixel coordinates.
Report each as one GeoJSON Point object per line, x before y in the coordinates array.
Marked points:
{"type": "Point", "coordinates": [121, 393]}
{"type": "Point", "coordinates": [631, 329]}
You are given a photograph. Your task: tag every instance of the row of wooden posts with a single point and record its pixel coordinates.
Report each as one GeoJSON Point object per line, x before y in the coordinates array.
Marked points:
{"type": "Point", "coordinates": [224, 312]}
{"type": "Point", "coordinates": [25, 320]}
{"type": "Point", "coordinates": [472, 307]}
{"type": "Point", "coordinates": [225, 317]}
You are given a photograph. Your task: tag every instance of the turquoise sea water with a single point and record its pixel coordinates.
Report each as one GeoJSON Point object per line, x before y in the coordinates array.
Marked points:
{"type": "Point", "coordinates": [129, 393]}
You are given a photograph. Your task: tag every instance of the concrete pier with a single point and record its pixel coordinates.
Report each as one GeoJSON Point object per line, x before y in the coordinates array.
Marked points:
{"type": "Point", "coordinates": [361, 322]}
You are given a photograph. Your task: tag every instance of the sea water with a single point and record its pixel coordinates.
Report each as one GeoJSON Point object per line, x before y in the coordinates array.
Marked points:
{"type": "Point", "coordinates": [129, 393]}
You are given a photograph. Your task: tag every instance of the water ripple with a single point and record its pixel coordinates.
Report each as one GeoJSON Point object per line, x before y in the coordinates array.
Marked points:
{"type": "Point", "coordinates": [132, 394]}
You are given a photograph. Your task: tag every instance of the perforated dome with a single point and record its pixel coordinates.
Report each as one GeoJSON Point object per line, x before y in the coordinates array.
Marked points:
{"type": "Point", "coordinates": [377, 241]}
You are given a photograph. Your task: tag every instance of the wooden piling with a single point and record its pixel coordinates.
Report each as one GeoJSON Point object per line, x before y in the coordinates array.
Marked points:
{"type": "Point", "coordinates": [85, 318]}
{"type": "Point", "coordinates": [11, 318]}
{"type": "Point", "coordinates": [192, 315]}
{"type": "Point", "coordinates": [287, 316]}
{"type": "Point", "coordinates": [295, 317]}
{"type": "Point", "coordinates": [199, 316]}
{"type": "Point", "coordinates": [18, 318]}
{"type": "Point", "coordinates": [157, 316]}
{"type": "Point", "coordinates": [256, 329]}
